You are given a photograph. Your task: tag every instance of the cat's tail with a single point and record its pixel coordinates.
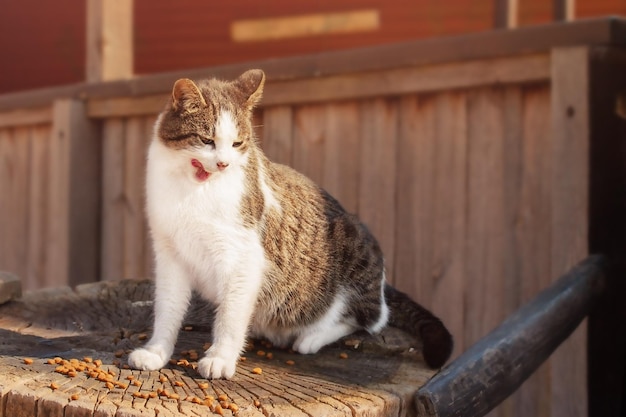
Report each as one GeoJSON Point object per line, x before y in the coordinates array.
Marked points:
{"type": "Point", "coordinates": [411, 317]}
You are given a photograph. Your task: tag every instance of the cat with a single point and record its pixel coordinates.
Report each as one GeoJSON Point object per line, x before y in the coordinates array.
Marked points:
{"type": "Point", "coordinates": [277, 255]}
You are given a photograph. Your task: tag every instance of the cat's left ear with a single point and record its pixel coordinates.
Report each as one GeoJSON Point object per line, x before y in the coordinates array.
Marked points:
{"type": "Point", "coordinates": [250, 83]}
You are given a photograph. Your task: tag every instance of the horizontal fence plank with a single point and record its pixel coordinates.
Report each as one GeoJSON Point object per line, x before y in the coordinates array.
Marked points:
{"type": "Point", "coordinates": [430, 78]}
{"type": "Point", "coordinates": [26, 117]}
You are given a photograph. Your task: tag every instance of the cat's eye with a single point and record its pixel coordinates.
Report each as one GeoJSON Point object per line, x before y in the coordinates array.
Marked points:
{"type": "Point", "coordinates": [237, 144]}
{"type": "Point", "coordinates": [208, 141]}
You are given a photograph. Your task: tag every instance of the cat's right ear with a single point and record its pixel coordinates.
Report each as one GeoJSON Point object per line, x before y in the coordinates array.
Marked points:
{"type": "Point", "coordinates": [187, 96]}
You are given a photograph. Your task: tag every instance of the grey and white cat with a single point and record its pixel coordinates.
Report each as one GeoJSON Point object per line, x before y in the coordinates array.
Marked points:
{"type": "Point", "coordinates": [277, 255]}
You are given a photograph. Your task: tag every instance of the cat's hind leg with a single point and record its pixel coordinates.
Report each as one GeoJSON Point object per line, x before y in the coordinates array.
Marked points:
{"type": "Point", "coordinates": [332, 326]}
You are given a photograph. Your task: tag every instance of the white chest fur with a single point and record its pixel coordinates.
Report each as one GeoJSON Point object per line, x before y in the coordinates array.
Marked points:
{"type": "Point", "coordinates": [199, 222]}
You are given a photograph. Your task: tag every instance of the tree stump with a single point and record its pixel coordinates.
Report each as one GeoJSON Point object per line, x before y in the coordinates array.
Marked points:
{"type": "Point", "coordinates": [91, 330]}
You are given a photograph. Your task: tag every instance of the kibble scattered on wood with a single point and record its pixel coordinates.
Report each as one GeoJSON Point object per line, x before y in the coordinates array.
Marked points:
{"type": "Point", "coordinates": [28, 361]}
{"type": "Point", "coordinates": [290, 362]}
{"type": "Point", "coordinates": [74, 397]}
{"type": "Point", "coordinates": [257, 403]}
{"type": "Point", "coordinates": [343, 355]}
{"type": "Point", "coordinates": [54, 385]}
{"type": "Point", "coordinates": [257, 371]}
{"type": "Point", "coordinates": [203, 385]}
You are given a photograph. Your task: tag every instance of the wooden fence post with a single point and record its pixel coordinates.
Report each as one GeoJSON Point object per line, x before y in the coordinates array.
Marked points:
{"type": "Point", "coordinates": [570, 213]}
{"type": "Point", "coordinates": [109, 40]}
{"type": "Point", "coordinates": [74, 195]}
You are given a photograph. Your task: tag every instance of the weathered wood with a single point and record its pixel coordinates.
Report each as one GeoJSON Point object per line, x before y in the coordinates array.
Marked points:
{"type": "Point", "coordinates": [505, 14]}
{"type": "Point", "coordinates": [570, 208]}
{"type": "Point", "coordinates": [109, 40]}
{"type": "Point", "coordinates": [26, 117]}
{"type": "Point", "coordinates": [74, 195]}
{"type": "Point", "coordinates": [113, 199]}
{"type": "Point", "coordinates": [495, 366]}
{"type": "Point", "coordinates": [10, 287]}
{"type": "Point", "coordinates": [104, 320]}
{"type": "Point", "coordinates": [378, 155]}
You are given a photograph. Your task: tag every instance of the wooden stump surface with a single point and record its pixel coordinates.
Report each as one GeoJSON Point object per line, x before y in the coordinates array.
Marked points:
{"type": "Point", "coordinates": [360, 375]}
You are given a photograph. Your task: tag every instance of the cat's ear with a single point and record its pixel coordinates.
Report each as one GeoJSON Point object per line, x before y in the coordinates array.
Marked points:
{"type": "Point", "coordinates": [187, 96]}
{"type": "Point", "coordinates": [250, 83]}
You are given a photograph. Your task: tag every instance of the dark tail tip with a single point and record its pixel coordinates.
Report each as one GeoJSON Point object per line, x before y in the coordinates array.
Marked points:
{"type": "Point", "coordinates": [437, 344]}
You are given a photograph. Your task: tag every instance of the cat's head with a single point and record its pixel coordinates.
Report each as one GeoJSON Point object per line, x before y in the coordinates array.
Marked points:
{"type": "Point", "coordinates": [209, 123]}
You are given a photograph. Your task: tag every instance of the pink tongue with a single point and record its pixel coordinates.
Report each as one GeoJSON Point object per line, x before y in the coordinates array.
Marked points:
{"type": "Point", "coordinates": [201, 174]}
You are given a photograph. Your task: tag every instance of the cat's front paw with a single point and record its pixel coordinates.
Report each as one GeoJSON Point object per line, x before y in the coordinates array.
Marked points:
{"type": "Point", "coordinates": [213, 366]}
{"type": "Point", "coordinates": [147, 359]}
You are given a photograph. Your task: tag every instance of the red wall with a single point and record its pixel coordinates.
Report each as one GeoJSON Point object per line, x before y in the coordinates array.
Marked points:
{"type": "Point", "coordinates": [42, 43]}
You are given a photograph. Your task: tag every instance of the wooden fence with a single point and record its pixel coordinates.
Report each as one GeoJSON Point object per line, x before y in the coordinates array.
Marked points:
{"type": "Point", "coordinates": [469, 158]}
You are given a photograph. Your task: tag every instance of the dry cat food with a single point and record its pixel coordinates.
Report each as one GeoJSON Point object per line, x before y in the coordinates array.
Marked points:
{"type": "Point", "coordinates": [257, 371]}
{"type": "Point", "coordinates": [92, 368]}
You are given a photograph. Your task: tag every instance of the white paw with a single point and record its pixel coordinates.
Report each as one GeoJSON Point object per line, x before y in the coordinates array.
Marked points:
{"type": "Point", "coordinates": [214, 367]}
{"type": "Point", "coordinates": [308, 343]}
{"type": "Point", "coordinates": [147, 360]}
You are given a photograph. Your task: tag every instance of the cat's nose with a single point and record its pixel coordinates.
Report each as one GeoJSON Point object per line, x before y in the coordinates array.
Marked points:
{"type": "Point", "coordinates": [222, 165]}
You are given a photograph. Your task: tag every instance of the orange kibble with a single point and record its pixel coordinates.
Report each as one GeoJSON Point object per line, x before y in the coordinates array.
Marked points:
{"type": "Point", "coordinates": [98, 363]}
{"type": "Point", "coordinates": [222, 397]}
{"type": "Point", "coordinates": [88, 359]}
{"type": "Point", "coordinates": [269, 355]}
{"type": "Point", "coordinates": [57, 360]}
{"type": "Point", "coordinates": [290, 362]}
{"type": "Point", "coordinates": [110, 385]}
{"type": "Point", "coordinates": [174, 396]}
{"type": "Point", "coordinates": [72, 374]}
{"type": "Point", "coordinates": [179, 383]}
{"type": "Point", "coordinates": [196, 400]}
{"type": "Point", "coordinates": [260, 353]}
{"type": "Point", "coordinates": [163, 378]}
{"type": "Point", "coordinates": [74, 397]}
{"type": "Point", "coordinates": [243, 359]}
{"type": "Point", "coordinates": [54, 385]}
{"type": "Point", "coordinates": [234, 408]}
{"type": "Point", "coordinates": [208, 402]}
{"type": "Point", "coordinates": [343, 355]}
{"type": "Point", "coordinates": [136, 394]}
{"type": "Point", "coordinates": [209, 398]}
{"type": "Point", "coordinates": [257, 371]}
{"type": "Point", "coordinates": [152, 394]}
{"type": "Point", "coordinates": [137, 383]}
{"type": "Point", "coordinates": [219, 410]}
{"type": "Point", "coordinates": [130, 377]}
{"type": "Point", "coordinates": [50, 362]}
{"type": "Point", "coordinates": [28, 361]}
{"type": "Point", "coordinates": [257, 403]}
{"type": "Point", "coordinates": [203, 385]}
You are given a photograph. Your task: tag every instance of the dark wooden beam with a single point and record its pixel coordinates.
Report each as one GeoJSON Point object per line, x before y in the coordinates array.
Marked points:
{"type": "Point", "coordinates": [496, 365]}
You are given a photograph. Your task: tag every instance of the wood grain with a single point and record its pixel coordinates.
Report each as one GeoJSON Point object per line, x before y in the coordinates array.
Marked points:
{"type": "Point", "coordinates": [340, 171]}
{"type": "Point", "coordinates": [570, 202]}
{"type": "Point", "coordinates": [113, 199]}
{"type": "Point", "coordinates": [379, 123]}
{"type": "Point", "coordinates": [378, 378]}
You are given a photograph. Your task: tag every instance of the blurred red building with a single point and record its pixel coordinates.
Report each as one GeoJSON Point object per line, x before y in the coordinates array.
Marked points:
{"type": "Point", "coordinates": [43, 43]}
